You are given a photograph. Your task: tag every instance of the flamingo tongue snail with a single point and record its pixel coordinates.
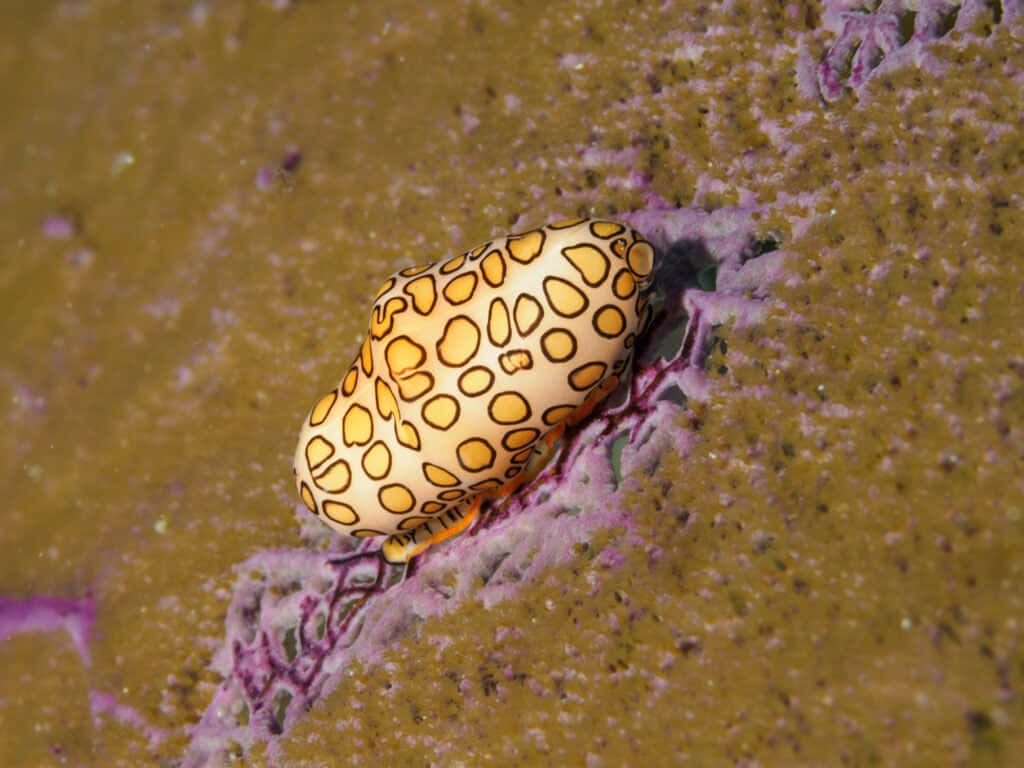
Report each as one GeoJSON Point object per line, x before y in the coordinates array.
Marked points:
{"type": "Point", "coordinates": [467, 364]}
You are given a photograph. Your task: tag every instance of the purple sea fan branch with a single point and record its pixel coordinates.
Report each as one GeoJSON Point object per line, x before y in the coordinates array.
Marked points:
{"type": "Point", "coordinates": [894, 34]}
{"type": "Point", "coordinates": [291, 612]}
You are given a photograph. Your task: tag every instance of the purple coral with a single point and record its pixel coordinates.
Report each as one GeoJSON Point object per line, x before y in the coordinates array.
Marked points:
{"type": "Point", "coordinates": [893, 34]}
{"type": "Point", "coordinates": [297, 623]}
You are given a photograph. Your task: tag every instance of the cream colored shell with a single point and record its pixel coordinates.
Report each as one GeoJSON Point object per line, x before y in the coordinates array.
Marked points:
{"type": "Point", "coordinates": [466, 364]}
